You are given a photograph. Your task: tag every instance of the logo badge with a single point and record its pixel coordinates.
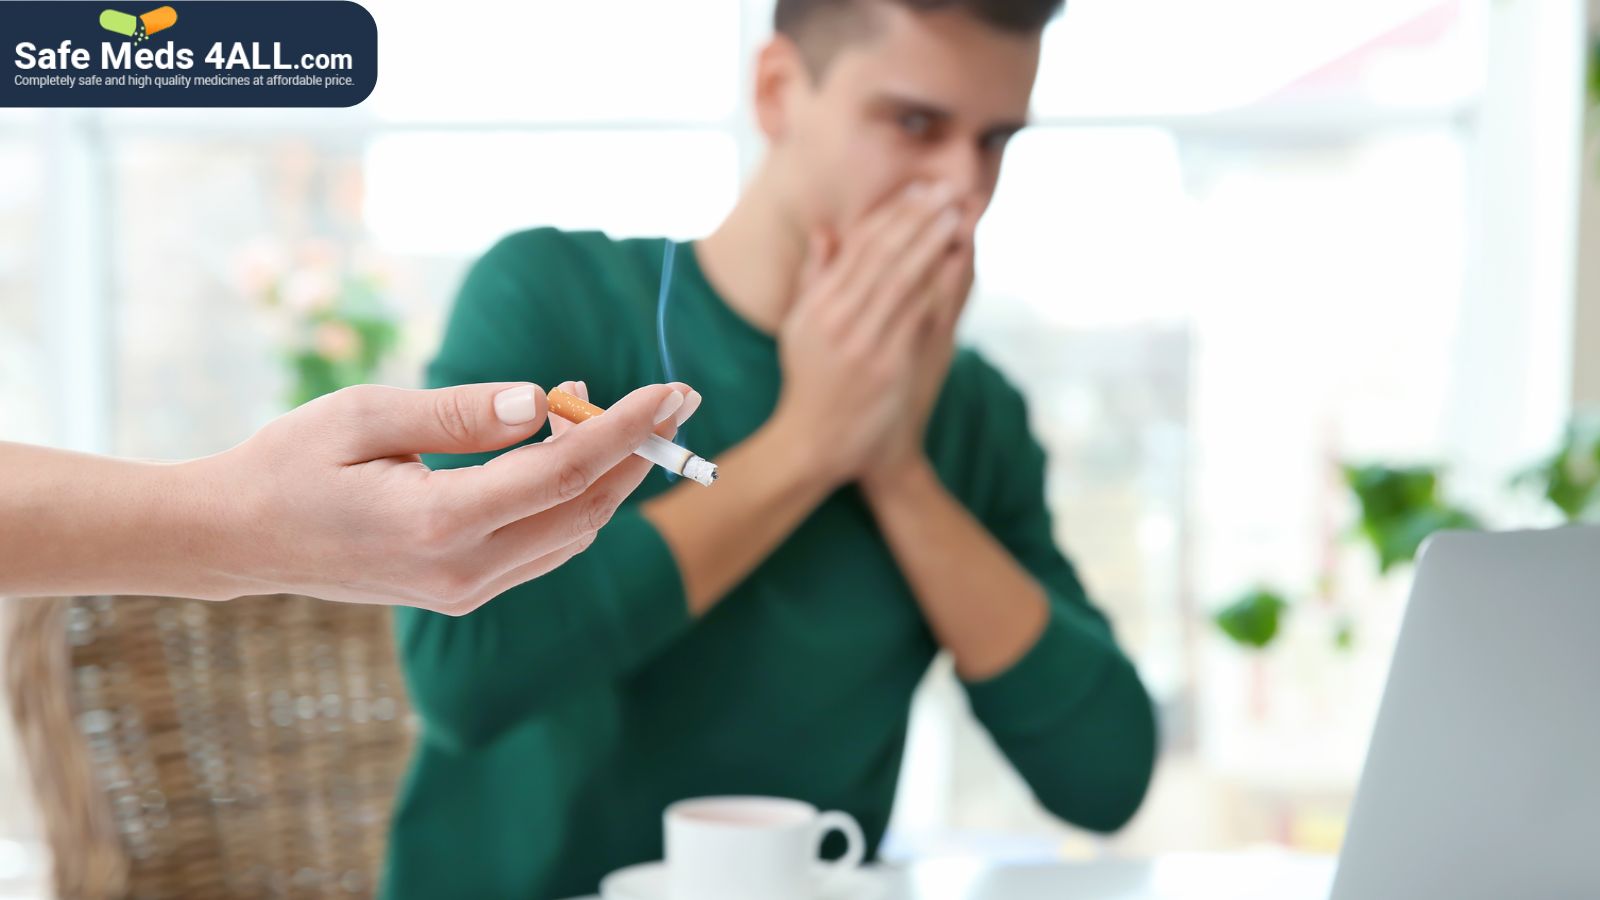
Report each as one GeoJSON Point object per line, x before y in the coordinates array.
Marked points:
{"type": "Point", "coordinates": [139, 28]}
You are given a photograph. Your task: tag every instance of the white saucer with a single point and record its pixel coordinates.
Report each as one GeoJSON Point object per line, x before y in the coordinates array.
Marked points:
{"type": "Point", "coordinates": [648, 881]}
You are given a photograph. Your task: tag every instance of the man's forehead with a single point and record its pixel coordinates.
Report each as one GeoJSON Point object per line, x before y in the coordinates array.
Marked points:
{"type": "Point", "coordinates": [945, 60]}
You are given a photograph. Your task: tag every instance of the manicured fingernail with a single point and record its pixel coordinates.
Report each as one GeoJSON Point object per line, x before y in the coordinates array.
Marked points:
{"type": "Point", "coordinates": [518, 405]}
{"type": "Point", "coordinates": [690, 404]}
{"type": "Point", "coordinates": [669, 405]}
{"type": "Point", "coordinates": [916, 189]}
{"type": "Point", "coordinates": [583, 390]}
{"type": "Point", "coordinates": [949, 219]}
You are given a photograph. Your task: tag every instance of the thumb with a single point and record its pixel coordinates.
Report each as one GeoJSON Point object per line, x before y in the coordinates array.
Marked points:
{"type": "Point", "coordinates": [470, 418]}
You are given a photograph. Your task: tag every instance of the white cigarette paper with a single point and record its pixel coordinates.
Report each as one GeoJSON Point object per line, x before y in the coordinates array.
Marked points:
{"type": "Point", "coordinates": [664, 453]}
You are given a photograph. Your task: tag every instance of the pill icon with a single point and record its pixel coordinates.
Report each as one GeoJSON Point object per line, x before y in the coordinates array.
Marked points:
{"type": "Point", "coordinates": [139, 27]}
{"type": "Point", "coordinates": [119, 22]}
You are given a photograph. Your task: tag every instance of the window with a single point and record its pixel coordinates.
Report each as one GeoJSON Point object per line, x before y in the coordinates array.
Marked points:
{"type": "Point", "coordinates": [674, 182]}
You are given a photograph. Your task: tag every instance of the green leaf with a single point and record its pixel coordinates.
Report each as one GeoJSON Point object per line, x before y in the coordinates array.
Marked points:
{"type": "Point", "coordinates": [360, 306]}
{"type": "Point", "coordinates": [1594, 73]}
{"type": "Point", "coordinates": [1570, 479]}
{"type": "Point", "coordinates": [1400, 508]}
{"type": "Point", "coordinates": [1388, 492]}
{"type": "Point", "coordinates": [313, 377]}
{"type": "Point", "coordinates": [1253, 619]}
{"type": "Point", "coordinates": [1344, 635]}
{"type": "Point", "coordinates": [1406, 535]}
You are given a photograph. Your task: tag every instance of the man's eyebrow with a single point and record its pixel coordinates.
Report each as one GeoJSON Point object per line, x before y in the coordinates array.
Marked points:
{"type": "Point", "coordinates": [905, 103]}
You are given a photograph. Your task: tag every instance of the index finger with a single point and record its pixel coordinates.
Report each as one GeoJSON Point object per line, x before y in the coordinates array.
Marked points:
{"type": "Point", "coordinates": [534, 478]}
{"type": "Point", "coordinates": [884, 233]}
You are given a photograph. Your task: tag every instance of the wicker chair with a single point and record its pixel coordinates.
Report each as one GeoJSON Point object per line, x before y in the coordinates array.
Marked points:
{"type": "Point", "coordinates": [190, 749]}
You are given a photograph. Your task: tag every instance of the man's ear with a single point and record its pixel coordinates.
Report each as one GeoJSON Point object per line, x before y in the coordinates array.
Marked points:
{"type": "Point", "coordinates": [781, 79]}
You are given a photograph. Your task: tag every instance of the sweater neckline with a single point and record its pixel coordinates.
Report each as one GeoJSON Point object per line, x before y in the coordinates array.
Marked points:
{"type": "Point", "coordinates": [694, 277]}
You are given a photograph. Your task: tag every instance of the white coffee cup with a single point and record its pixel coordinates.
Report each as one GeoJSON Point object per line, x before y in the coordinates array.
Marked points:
{"type": "Point", "coordinates": [744, 848]}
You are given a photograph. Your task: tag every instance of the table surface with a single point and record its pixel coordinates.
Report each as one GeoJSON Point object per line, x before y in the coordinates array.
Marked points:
{"type": "Point", "coordinates": [1249, 876]}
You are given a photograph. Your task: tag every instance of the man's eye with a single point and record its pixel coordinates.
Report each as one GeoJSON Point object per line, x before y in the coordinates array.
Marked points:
{"type": "Point", "coordinates": [916, 124]}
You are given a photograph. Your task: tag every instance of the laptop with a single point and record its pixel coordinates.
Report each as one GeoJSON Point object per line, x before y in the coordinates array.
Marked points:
{"type": "Point", "coordinates": [1482, 781]}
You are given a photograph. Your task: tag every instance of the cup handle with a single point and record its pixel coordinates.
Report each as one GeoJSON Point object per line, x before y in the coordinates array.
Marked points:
{"type": "Point", "coordinates": [833, 873]}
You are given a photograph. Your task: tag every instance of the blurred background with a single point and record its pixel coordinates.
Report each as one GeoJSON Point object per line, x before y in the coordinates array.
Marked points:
{"type": "Point", "coordinates": [1288, 283]}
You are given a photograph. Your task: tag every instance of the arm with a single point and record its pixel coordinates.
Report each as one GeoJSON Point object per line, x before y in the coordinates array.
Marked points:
{"type": "Point", "coordinates": [1040, 665]}
{"type": "Point", "coordinates": [327, 500]}
{"type": "Point", "coordinates": [539, 643]}
{"type": "Point", "coordinates": [718, 537]}
{"type": "Point", "coordinates": [951, 562]}
{"type": "Point", "coordinates": [72, 523]}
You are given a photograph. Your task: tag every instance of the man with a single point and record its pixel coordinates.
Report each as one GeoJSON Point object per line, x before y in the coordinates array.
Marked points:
{"type": "Point", "coordinates": [880, 497]}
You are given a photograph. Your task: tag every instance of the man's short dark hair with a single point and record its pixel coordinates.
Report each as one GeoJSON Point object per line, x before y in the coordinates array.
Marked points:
{"type": "Point", "coordinates": [821, 27]}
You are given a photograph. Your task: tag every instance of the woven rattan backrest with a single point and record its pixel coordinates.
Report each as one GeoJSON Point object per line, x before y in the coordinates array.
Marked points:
{"type": "Point", "coordinates": [220, 750]}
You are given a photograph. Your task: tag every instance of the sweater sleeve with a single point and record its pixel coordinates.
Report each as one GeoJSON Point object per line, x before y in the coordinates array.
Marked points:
{"type": "Point", "coordinates": [601, 614]}
{"type": "Point", "coordinates": [1071, 714]}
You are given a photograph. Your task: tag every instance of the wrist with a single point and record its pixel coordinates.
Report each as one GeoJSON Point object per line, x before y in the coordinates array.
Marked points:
{"type": "Point", "coordinates": [204, 515]}
{"type": "Point", "coordinates": [904, 481]}
{"type": "Point", "coordinates": [805, 449]}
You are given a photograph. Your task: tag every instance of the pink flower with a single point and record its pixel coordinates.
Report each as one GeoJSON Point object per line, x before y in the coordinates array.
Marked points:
{"type": "Point", "coordinates": [336, 341]}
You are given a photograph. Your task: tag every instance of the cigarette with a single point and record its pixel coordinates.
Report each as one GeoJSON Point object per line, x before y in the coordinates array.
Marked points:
{"type": "Point", "coordinates": [664, 453]}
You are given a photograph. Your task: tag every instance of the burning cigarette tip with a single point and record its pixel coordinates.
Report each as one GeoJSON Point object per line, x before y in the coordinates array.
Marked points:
{"type": "Point", "coordinates": [701, 470]}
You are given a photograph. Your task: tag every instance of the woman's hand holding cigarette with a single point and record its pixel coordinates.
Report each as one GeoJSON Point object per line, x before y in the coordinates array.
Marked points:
{"type": "Point", "coordinates": [368, 522]}
{"type": "Point", "coordinates": [332, 501]}
{"type": "Point", "coordinates": [867, 343]}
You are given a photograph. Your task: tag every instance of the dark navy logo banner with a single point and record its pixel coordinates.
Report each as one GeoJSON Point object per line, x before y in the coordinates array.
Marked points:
{"type": "Point", "coordinates": [213, 53]}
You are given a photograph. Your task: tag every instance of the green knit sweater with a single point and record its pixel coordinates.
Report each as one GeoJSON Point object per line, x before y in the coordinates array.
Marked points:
{"type": "Point", "coordinates": [562, 717]}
